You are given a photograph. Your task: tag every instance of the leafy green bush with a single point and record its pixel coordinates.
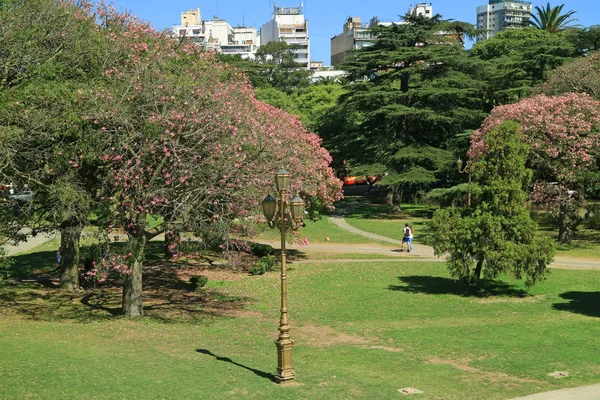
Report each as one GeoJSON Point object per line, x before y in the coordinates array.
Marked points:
{"type": "Point", "coordinates": [197, 282]}
{"type": "Point", "coordinates": [263, 265]}
{"type": "Point", "coordinates": [261, 250]}
{"type": "Point", "coordinates": [5, 263]}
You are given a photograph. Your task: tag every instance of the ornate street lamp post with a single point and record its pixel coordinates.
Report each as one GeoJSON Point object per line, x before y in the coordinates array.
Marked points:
{"type": "Point", "coordinates": [277, 216]}
{"type": "Point", "coordinates": [466, 169]}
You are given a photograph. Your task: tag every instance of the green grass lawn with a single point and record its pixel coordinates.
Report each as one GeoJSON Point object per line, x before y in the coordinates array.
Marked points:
{"type": "Point", "coordinates": [362, 330]}
{"type": "Point", "coordinates": [585, 243]}
{"type": "Point", "coordinates": [382, 220]}
{"type": "Point", "coordinates": [321, 231]}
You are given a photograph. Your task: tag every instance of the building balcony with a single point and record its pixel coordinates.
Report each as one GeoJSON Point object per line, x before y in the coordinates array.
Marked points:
{"type": "Point", "coordinates": [289, 40]}
{"type": "Point", "coordinates": [233, 49]}
{"type": "Point", "coordinates": [303, 35]}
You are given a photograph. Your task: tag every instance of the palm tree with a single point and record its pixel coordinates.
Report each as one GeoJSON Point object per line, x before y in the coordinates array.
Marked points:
{"type": "Point", "coordinates": [550, 19]}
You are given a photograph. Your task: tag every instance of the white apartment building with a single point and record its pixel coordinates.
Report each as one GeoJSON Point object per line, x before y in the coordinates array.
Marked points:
{"type": "Point", "coordinates": [288, 24]}
{"type": "Point", "coordinates": [499, 15]}
{"type": "Point", "coordinates": [422, 10]}
{"type": "Point", "coordinates": [245, 42]}
{"type": "Point", "coordinates": [218, 35]}
{"type": "Point", "coordinates": [356, 35]}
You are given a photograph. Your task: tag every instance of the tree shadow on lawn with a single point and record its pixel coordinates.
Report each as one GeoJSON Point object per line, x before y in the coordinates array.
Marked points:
{"type": "Point", "coordinates": [586, 303]}
{"type": "Point", "coordinates": [40, 265]}
{"type": "Point", "coordinates": [262, 374]}
{"type": "Point", "coordinates": [166, 297]}
{"type": "Point", "coordinates": [291, 255]}
{"type": "Point", "coordinates": [438, 285]}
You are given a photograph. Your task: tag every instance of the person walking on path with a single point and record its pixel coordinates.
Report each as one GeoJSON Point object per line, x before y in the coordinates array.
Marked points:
{"type": "Point", "coordinates": [58, 258]}
{"type": "Point", "coordinates": [407, 238]}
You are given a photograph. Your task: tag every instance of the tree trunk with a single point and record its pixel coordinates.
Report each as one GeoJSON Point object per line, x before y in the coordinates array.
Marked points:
{"type": "Point", "coordinates": [564, 230]}
{"type": "Point", "coordinates": [132, 286]}
{"type": "Point", "coordinates": [389, 196]}
{"type": "Point", "coordinates": [397, 193]}
{"type": "Point", "coordinates": [69, 251]}
{"type": "Point", "coordinates": [475, 279]}
{"type": "Point", "coordinates": [400, 196]}
{"type": "Point", "coordinates": [405, 79]}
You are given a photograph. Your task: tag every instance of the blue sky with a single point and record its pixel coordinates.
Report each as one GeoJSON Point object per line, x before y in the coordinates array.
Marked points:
{"type": "Point", "coordinates": [325, 17]}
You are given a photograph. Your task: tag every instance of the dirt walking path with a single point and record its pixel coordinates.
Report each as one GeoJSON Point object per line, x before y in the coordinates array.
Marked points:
{"type": "Point", "coordinates": [32, 242]}
{"type": "Point", "coordinates": [421, 252]}
{"type": "Point", "coordinates": [374, 245]}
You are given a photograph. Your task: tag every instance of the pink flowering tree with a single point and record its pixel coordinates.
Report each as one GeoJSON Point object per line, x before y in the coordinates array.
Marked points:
{"type": "Point", "coordinates": [187, 142]}
{"type": "Point", "coordinates": [563, 137]}
{"type": "Point", "coordinates": [580, 76]}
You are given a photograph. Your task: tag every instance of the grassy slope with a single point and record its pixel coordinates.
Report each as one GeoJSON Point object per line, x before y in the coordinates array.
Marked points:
{"type": "Point", "coordinates": [318, 232]}
{"type": "Point", "coordinates": [380, 219]}
{"type": "Point", "coordinates": [362, 329]}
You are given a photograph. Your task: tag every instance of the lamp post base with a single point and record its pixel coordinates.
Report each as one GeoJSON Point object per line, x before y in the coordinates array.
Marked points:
{"type": "Point", "coordinates": [285, 372]}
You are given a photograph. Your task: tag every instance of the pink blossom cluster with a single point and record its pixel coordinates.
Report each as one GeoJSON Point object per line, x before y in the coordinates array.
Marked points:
{"type": "Point", "coordinates": [186, 139]}
{"type": "Point", "coordinates": [561, 129]}
{"type": "Point", "coordinates": [554, 196]}
{"type": "Point", "coordinates": [580, 76]}
{"type": "Point", "coordinates": [563, 132]}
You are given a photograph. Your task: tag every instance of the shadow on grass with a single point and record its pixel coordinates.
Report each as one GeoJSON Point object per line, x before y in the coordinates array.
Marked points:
{"type": "Point", "coordinates": [39, 265]}
{"type": "Point", "coordinates": [438, 285]}
{"type": "Point", "coordinates": [586, 303]}
{"type": "Point", "coordinates": [291, 255]}
{"type": "Point", "coordinates": [166, 298]}
{"type": "Point", "coordinates": [42, 265]}
{"type": "Point", "coordinates": [165, 306]}
{"type": "Point", "coordinates": [262, 374]}
{"type": "Point", "coordinates": [100, 298]}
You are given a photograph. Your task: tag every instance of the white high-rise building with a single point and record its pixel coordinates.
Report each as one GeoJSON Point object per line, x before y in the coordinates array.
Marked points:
{"type": "Point", "coordinates": [499, 15]}
{"type": "Point", "coordinates": [355, 34]}
{"type": "Point", "coordinates": [217, 34]}
{"type": "Point", "coordinates": [288, 24]}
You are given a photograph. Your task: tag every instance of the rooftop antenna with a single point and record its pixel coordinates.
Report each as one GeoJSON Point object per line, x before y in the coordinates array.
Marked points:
{"type": "Point", "coordinates": [243, 20]}
{"type": "Point", "coordinates": [217, 8]}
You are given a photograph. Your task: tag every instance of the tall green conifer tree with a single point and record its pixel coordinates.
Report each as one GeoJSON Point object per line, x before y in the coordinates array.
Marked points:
{"type": "Point", "coordinates": [413, 90]}
{"type": "Point", "coordinates": [497, 235]}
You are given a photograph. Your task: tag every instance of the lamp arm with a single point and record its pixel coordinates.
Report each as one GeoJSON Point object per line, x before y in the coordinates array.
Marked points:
{"type": "Point", "coordinates": [290, 222]}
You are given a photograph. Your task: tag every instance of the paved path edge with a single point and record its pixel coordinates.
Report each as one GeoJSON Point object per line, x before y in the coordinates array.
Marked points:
{"type": "Point", "coordinates": [591, 392]}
